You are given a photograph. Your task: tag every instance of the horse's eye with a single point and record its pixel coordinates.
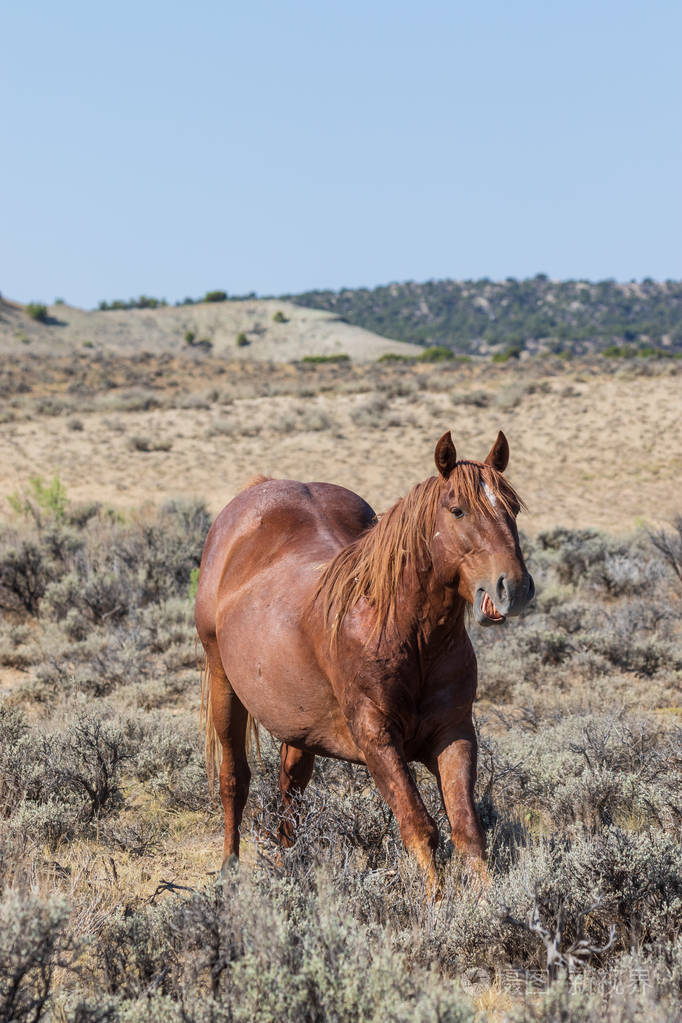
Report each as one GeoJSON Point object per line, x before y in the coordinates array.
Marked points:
{"type": "Point", "coordinates": [458, 512]}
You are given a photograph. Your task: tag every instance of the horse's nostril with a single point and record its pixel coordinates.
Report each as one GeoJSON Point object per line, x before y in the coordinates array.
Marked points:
{"type": "Point", "coordinates": [502, 594]}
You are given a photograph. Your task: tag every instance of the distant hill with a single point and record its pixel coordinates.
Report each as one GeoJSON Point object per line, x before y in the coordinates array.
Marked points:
{"type": "Point", "coordinates": [537, 314]}
{"type": "Point", "coordinates": [268, 330]}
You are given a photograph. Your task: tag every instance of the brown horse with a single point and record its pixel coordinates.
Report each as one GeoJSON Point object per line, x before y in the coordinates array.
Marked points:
{"type": "Point", "coordinates": [344, 635]}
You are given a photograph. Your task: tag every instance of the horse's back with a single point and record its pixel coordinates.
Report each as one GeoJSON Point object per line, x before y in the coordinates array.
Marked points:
{"type": "Point", "coordinates": [270, 522]}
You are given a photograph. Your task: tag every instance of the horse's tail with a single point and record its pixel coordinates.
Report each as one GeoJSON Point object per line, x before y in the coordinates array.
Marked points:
{"type": "Point", "coordinates": [253, 737]}
{"type": "Point", "coordinates": [212, 747]}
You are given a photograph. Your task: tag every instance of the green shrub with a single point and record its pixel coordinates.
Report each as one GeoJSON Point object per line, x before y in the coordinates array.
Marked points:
{"type": "Point", "coordinates": [279, 317]}
{"type": "Point", "coordinates": [512, 352]}
{"type": "Point", "coordinates": [620, 352]}
{"type": "Point", "coordinates": [436, 353]}
{"type": "Point", "coordinates": [193, 584]}
{"type": "Point", "coordinates": [314, 359]}
{"type": "Point", "coordinates": [46, 497]}
{"type": "Point", "coordinates": [242, 340]}
{"type": "Point", "coordinates": [215, 296]}
{"type": "Point", "coordinates": [143, 302]}
{"type": "Point", "coordinates": [204, 343]}
{"type": "Point", "coordinates": [37, 311]}
{"type": "Point", "coordinates": [394, 357]}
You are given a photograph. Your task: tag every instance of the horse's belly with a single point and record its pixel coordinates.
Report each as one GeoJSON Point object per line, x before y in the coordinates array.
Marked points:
{"type": "Point", "coordinates": [272, 669]}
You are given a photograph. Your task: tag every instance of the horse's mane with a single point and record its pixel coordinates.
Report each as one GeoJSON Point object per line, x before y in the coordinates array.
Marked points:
{"type": "Point", "coordinates": [374, 564]}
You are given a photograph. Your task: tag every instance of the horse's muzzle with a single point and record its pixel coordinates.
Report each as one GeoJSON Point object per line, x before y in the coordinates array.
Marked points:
{"type": "Point", "coordinates": [508, 597]}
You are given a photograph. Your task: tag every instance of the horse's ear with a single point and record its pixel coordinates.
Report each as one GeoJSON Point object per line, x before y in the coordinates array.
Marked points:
{"type": "Point", "coordinates": [445, 455]}
{"type": "Point", "coordinates": [498, 455]}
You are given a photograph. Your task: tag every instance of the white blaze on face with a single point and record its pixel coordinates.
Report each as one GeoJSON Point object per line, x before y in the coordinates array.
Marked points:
{"type": "Point", "coordinates": [490, 495]}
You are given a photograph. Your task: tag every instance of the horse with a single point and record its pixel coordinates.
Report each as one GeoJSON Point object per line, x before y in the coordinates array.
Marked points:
{"type": "Point", "coordinates": [344, 635]}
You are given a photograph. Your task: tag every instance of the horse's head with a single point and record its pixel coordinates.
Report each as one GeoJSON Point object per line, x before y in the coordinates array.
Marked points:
{"type": "Point", "coordinates": [475, 543]}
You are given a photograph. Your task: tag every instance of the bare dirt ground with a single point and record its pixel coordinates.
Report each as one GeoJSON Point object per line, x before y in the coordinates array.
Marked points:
{"type": "Point", "coordinates": [592, 445]}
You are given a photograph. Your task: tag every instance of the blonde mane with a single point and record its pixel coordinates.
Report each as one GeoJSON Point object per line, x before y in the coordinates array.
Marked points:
{"type": "Point", "coordinates": [398, 544]}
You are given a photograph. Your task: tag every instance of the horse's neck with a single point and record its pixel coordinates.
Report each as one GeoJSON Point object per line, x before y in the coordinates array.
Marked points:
{"type": "Point", "coordinates": [430, 615]}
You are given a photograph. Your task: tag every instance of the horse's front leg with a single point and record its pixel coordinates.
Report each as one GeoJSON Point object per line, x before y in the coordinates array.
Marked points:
{"type": "Point", "coordinates": [456, 765]}
{"type": "Point", "coordinates": [382, 747]}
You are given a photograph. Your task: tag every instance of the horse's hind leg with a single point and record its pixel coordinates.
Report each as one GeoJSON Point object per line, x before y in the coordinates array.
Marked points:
{"type": "Point", "coordinates": [229, 721]}
{"type": "Point", "coordinates": [296, 768]}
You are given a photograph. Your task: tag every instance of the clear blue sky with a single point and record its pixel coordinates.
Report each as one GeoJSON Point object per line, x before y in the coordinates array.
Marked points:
{"type": "Point", "coordinates": [172, 148]}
